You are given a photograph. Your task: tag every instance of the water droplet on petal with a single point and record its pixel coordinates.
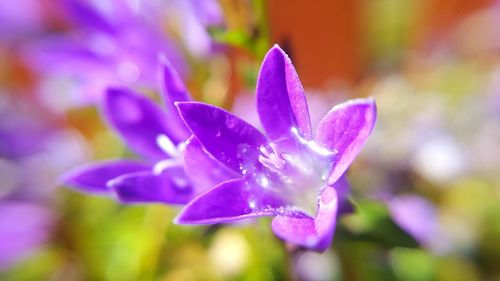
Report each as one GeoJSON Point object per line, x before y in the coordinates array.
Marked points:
{"type": "Point", "coordinates": [252, 204]}
{"type": "Point", "coordinates": [263, 181]}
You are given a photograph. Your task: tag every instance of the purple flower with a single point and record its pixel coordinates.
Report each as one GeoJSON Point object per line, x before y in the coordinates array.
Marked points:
{"type": "Point", "coordinates": [111, 42]}
{"type": "Point", "coordinates": [159, 137]}
{"type": "Point", "coordinates": [417, 216]}
{"type": "Point", "coordinates": [23, 228]}
{"type": "Point", "coordinates": [193, 17]}
{"type": "Point", "coordinates": [20, 20]}
{"type": "Point", "coordinates": [33, 149]}
{"type": "Point", "coordinates": [291, 174]}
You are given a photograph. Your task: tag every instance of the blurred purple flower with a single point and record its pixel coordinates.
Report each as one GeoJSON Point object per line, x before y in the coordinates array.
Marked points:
{"type": "Point", "coordinates": [160, 137]}
{"type": "Point", "coordinates": [416, 216]}
{"type": "Point", "coordinates": [193, 17]}
{"type": "Point", "coordinates": [31, 140]}
{"type": "Point", "coordinates": [31, 145]}
{"type": "Point", "coordinates": [23, 228]}
{"type": "Point", "coordinates": [289, 174]}
{"type": "Point", "coordinates": [114, 42]}
{"type": "Point", "coordinates": [20, 20]}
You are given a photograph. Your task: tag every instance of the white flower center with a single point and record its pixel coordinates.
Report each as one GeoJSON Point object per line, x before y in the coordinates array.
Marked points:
{"type": "Point", "coordinates": [296, 168]}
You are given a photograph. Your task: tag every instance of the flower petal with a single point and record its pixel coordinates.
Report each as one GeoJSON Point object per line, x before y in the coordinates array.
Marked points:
{"type": "Point", "coordinates": [343, 189]}
{"type": "Point", "coordinates": [345, 129]}
{"type": "Point", "coordinates": [138, 120]}
{"type": "Point", "coordinates": [229, 139]}
{"type": "Point", "coordinates": [171, 187]}
{"type": "Point", "coordinates": [315, 234]}
{"type": "Point", "coordinates": [174, 90]}
{"type": "Point", "coordinates": [281, 103]}
{"type": "Point", "coordinates": [229, 201]}
{"type": "Point", "coordinates": [86, 15]}
{"type": "Point", "coordinates": [93, 178]}
{"type": "Point", "coordinates": [203, 169]}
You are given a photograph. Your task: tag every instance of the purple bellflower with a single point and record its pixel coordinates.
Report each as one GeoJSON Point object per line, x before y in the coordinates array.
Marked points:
{"type": "Point", "coordinates": [31, 145]}
{"type": "Point", "coordinates": [21, 20]}
{"type": "Point", "coordinates": [160, 137]}
{"type": "Point", "coordinates": [193, 18]}
{"type": "Point", "coordinates": [417, 216]}
{"type": "Point", "coordinates": [291, 174]}
{"type": "Point", "coordinates": [24, 227]}
{"type": "Point", "coordinates": [109, 42]}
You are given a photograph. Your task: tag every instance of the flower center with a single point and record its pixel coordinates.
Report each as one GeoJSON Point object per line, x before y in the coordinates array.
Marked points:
{"type": "Point", "coordinates": [295, 168]}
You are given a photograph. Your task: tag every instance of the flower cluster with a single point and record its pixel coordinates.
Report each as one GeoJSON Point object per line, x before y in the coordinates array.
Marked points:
{"type": "Point", "coordinates": [224, 169]}
{"type": "Point", "coordinates": [159, 137]}
{"type": "Point", "coordinates": [117, 42]}
{"type": "Point", "coordinates": [30, 145]}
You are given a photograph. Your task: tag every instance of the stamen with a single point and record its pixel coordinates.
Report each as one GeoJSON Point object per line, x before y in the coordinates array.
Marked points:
{"type": "Point", "coordinates": [167, 146]}
{"type": "Point", "coordinates": [297, 164]}
{"type": "Point", "coordinates": [159, 167]}
{"type": "Point", "coordinates": [271, 159]}
{"type": "Point", "coordinates": [297, 168]}
{"type": "Point", "coordinates": [312, 145]}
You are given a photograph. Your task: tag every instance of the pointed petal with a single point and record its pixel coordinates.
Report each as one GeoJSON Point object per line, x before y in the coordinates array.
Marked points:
{"type": "Point", "coordinates": [229, 201]}
{"type": "Point", "coordinates": [345, 129]}
{"type": "Point", "coordinates": [174, 87]}
{"type": "Point", "coordinates": [93, 178]}
{"type": "Point", "coordinates": [203, 169]}
{"type": "Point", "coordinates": [281, 103]}
{"type": "Point", "coordinates": [174, 90]}
{"type": "Point", "coordinates": [171, 187]}
{"type": "Point", "coordinates": [229, 139]}
{"type": "Point", "coordinates": [138, 120]}
{"type": "Point", "coordinates": [315, 234]}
